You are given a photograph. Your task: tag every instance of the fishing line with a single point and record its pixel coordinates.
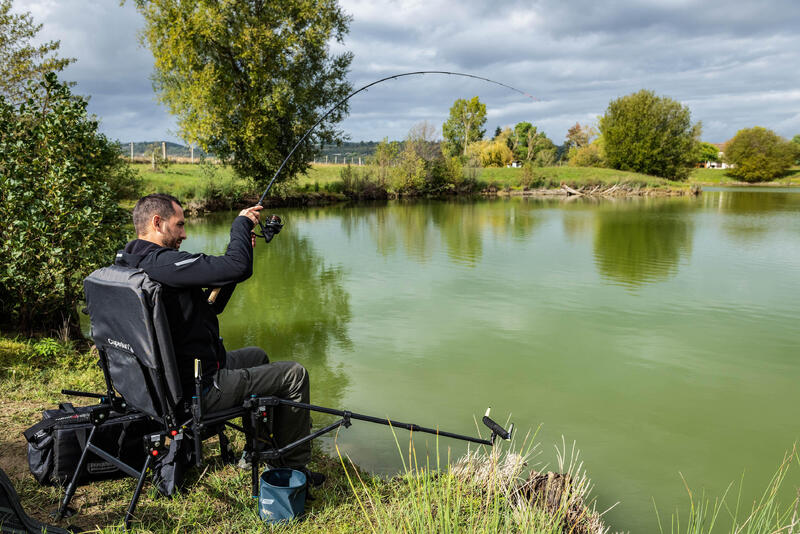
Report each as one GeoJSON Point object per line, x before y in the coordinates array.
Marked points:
{"type": "Point", "coordinates": [376, 82]}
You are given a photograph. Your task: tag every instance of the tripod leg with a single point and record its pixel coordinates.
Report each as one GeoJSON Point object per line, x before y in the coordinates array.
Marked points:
{"type": "Point", "coordinates": [137, 492]}
{"type": "Point", "coordinates": [73, 484]}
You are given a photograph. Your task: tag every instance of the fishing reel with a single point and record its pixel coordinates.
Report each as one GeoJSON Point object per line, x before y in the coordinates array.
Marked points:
{"type": "Point", "coordinates": [270, 228]}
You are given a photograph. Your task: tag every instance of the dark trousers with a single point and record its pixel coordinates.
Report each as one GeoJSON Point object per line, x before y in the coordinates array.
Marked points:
{"type": "Point", "coordinates": [248, 371]}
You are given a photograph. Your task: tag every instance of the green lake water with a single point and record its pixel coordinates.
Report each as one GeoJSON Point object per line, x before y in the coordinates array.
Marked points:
{"type": "Point", "coordinates": [659, 335]}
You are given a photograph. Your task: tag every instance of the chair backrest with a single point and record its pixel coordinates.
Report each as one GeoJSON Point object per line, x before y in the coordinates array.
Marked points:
{"type": "Point", "coordinates": [130, 328]}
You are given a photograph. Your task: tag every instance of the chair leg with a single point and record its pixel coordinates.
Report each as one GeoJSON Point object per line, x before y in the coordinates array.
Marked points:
{"type": "Point", "coordinates": [137, 492]}
{"type": "Point", "coordinates": [225, 451]}
{"type": "Point", "coordinates": [73, 483]}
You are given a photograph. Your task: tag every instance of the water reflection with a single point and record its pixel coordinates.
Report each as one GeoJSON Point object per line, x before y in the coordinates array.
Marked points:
{"type": "Point", "coordinates": [420, 229]}
{"type": "Point", "coordinates": [641, 242]}
{"type": "Point", "coordinates": [752, 213]}
{"type": "Point", "coordinates": [296, 307]}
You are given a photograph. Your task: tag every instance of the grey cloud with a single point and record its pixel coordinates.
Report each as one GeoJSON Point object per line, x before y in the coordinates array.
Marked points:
{"type": "Point", "coordinates": [718, 57]}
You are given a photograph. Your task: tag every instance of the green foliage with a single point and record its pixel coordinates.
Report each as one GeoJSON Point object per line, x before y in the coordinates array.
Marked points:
{"type": "Point", "coordinates": [649, 134]}
{"type": "Point", "coordinates": [384, 157]}
{"type": "Point", "coordinates": [495, 154]}
{"type": "Point", "coordinates": [21, 61]}
{"type": "Point", "coordinates": [155, 153]}
{"type": "Point", "coordinates": [706, 152]}
{"type": "Point", "coordinates": [59, 215]}
{"type": "Point", "coordinates": [591, 155]}
{"type": "Point", "coordinates": [247, 79]}
{"type": "Point", "coordinates": [526, 142]}
{"type": "Point", "coordinates": [759, 155]}
{"type": "Point", "coordinates": [796, 141]}
{"type": "Point", "coordinates": [464, 126]}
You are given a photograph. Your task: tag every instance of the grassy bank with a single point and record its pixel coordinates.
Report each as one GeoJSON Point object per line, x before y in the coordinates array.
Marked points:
{"type": "Point", "coordinates": [488, 491]}
{"type": "Point", "coordinates": [216, 187]}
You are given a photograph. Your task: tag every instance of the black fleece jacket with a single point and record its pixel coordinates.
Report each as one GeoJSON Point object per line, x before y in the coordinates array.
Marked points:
{"type": "Point", "coordinates": [186, 281]}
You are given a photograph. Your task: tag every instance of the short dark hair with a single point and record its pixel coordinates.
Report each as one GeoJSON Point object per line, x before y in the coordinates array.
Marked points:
{"type": "Point", "coordinates": [155, 204]}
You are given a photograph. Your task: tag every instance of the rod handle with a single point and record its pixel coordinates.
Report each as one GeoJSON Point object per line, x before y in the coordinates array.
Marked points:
{"type": "Point", "coordinates": [213, 296]}
{"type": "Point", "coordinates": [197, 368]}
{"type": "Point", "coordinates": [496, 428]}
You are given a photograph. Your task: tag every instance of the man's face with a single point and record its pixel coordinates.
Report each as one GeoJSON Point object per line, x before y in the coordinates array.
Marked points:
{"type": "Point", "coordinates": [172, 229]}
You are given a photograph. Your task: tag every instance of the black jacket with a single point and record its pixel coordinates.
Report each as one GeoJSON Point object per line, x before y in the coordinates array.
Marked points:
{"type": "Point", "coordinates": [186, 280]}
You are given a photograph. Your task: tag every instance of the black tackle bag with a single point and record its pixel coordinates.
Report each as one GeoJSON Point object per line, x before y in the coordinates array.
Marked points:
{"type": "Point", "coordinates": [13, 519]}
{"type": "Point", "coordinates": [56, 442]}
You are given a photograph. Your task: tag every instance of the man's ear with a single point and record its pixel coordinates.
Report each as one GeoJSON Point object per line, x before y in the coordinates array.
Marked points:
{"type": "Point", "coordinates": [155, 223]}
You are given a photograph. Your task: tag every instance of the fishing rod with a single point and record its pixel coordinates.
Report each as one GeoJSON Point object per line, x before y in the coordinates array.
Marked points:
{"type": "Point", "coordinates": [273, 224]}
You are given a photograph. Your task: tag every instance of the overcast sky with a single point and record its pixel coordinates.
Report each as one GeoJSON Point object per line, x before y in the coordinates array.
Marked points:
{"type": "Point", "coordinates": [735, 63]}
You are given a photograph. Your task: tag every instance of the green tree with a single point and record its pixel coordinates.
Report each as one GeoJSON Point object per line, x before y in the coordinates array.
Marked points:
{"type": "Point", "coordinates": [527, 142]}
{"type": "Point", "coordinates": [796, 141]}
{"type": "Point", "coordinates": [21, 61]}
{"type": "Point", "coordinates": [247, 78]}
{"type": "Point", "coordinates": [464, 126]}
{"type": "Point", "coordinates": [495, 154]}
{"type": "Point", "coordinates": [59, 217]}
{"type": "Point", "coordinates": [649, 134]}
{"type": "Point", "coordinates": [759, 155]}
{"type": "Point", "coordinates": [706, 152]}
{"type": "Point", "coordinates": [384, 157]}
{"type": "Point", "coordinates": [591, 155]}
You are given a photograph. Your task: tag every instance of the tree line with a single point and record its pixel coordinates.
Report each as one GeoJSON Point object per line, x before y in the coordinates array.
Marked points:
{"type": "Point", "coordinates": [641, 132]}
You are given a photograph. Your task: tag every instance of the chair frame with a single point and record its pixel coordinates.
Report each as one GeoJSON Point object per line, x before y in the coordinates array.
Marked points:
{"type": "Point", "coordinates": [257, 413]}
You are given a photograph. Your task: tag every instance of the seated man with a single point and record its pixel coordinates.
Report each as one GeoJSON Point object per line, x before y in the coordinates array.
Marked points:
{"type": "Point", "coordinates": [187, 279]}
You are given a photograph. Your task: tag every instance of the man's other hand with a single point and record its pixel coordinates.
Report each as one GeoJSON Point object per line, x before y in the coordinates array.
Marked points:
{"type": "Point", "coordinates": [252, 213]}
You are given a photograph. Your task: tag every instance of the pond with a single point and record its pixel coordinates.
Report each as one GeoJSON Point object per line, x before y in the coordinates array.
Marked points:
{"type": "Point", "coordinates": [658, 334]}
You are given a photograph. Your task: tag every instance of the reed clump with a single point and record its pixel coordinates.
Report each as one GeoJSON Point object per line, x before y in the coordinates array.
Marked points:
{"type": "Point", "coordinates": [484, 491]}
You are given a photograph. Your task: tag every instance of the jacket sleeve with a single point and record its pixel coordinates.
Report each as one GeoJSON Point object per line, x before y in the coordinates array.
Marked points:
{"type": "Point", "coordinates": [182, 269]}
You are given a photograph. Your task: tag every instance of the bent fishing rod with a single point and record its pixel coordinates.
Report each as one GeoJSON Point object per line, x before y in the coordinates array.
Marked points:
{"type": "Point", "coordinates": [273, 224]}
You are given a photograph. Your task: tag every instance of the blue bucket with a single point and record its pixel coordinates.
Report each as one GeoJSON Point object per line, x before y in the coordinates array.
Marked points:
{"type": "Point", "coordinates": [282, 495]}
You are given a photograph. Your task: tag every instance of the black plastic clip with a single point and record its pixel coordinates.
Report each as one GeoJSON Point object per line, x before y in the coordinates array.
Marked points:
{"type": "Point", "coordinates": [156, 444]}
{"type": "Point", "coordinates": [100, 414]}
{"type": "Point", "coordinates": [346, 419]}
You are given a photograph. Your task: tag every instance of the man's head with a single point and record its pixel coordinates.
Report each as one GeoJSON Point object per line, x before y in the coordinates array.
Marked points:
{"type": "Point", "coordinates": [158, 218]}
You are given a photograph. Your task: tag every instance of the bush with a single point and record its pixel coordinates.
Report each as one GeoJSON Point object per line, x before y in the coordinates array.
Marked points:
{"type": "Point", "coordinates": [587, 156]}
{"type": "Point", "coordinates": [649, 134]}
{"type": "Point", "coordinates": [758, 155]}
{"type": "Point", "coordinates": [59, 215]}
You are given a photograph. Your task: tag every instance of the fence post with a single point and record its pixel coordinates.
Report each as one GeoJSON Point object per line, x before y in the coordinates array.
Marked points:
{"type": "Point", "coordinates": [164, 150]}
{"type": "Point", "coordinates": [131, 151]}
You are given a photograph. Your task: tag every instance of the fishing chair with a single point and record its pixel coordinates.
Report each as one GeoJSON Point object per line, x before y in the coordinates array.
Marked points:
{"type": "Point", "coordinates": [130, 330]}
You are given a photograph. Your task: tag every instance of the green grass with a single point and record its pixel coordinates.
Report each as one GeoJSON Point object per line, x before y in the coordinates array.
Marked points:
{"type": "Point", "coordinates": [480, 493]}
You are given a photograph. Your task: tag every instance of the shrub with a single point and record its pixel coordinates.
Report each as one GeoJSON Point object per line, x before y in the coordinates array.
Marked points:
{"type": "Point", "coordinates": [649, 134]}
{"type": "Point", "coordinates": [587, 156]}
{"type": "Point", "coordinates": [758, 155]}
{"type": "Point", "coordinates": [496, 154]}
{"type": "Point", "coordinates": [59, 216]}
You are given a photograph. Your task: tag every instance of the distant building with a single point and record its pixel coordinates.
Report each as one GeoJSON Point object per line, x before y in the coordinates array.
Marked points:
{"type": "Point", "coordinates": [718, 164]}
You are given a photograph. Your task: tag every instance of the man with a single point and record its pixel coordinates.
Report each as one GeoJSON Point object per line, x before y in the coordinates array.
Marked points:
{"type": "Point", "coordinates": [187, 281]}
